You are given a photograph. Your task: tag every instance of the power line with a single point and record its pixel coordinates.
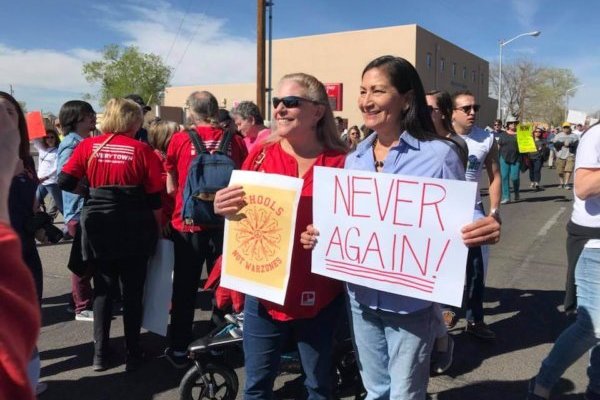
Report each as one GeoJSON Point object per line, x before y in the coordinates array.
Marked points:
{"type": "Point", "coordinates": [186, 47]}
{"type": "Point", "coordinates": [178, 30]}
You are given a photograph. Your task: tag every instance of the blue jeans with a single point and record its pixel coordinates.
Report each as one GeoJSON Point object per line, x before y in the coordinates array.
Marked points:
{"type": "Point", "coordinates": [535, 172]}
{"type": "Point", "coordinates": [55, 192]}
{"type": "Point", "coordinates": [584, 333]}
{"type": "Point", "coordinates": [475, 285]}
{"type": "Point", "coordinates": [510, 172]}
{"type": "Point", "coordinates": [393, 351]}
{"type": "Point", "coordinates": [265, 339]}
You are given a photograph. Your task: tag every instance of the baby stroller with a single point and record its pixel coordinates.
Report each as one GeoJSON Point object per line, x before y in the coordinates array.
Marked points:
{"type": "Point", "coordinates": [211, 378]}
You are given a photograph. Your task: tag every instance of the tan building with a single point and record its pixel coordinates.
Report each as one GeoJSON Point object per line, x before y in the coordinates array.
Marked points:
{"type": "Point", "coordinates": [339, 58]}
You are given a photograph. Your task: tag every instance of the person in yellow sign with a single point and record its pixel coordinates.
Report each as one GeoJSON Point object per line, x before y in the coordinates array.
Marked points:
{"type": "Point", "coordinates": [510, 161]}
{"type": "Point", "coordinates": [304, 136]}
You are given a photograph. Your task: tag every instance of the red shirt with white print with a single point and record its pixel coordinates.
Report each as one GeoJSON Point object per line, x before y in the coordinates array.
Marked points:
{"type": "Point", "coordinates": [123, 161]}
{"type": "Point", "coordinates": [307, 293]}
{"type": "Point", "coordinates": [180, 154]}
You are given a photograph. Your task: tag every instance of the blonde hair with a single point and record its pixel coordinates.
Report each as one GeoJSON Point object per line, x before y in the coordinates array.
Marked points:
{"type": "Point", "coordinates": [121, 115]}
{"type": "Point", "coordinates": [160, 133]}
{"type": "Point", "coordinates": [327, 133]}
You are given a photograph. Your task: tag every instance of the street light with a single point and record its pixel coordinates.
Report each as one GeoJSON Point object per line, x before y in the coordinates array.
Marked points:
{"type": "Point", "coordinates": [567, 100]}
{"type": "Point", "coordinates": [502, 44]}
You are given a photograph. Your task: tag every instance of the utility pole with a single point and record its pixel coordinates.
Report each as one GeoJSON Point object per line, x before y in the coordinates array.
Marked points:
{"type": "Point", "coordinates": [260, 56]}
{"type": "Point", "coordinates": [12, 92]}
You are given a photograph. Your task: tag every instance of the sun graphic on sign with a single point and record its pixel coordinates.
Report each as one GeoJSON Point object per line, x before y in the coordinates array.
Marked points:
{"type": "Point", "coordinates": [258, 234]}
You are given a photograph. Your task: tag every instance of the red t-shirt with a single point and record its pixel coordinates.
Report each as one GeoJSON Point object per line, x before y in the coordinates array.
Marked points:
{"type": "Point", "coordinates": [166, 200]}
{"type": "Point", "coordinates": [19, 318]}
{"type": "Point", "coordinates": [179, 157]}
{"type": "Point", "coordinates": [307, 293]}
{"type": "Point", "coordinates": [123, 161]}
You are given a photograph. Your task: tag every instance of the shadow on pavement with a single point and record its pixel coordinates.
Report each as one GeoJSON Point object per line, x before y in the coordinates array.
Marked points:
{"type": "Point", "coordinates": [536, 321]}
{"type": "Point", "coordinates": [503, 390]}
{"type": "Point", "coordinates": [54, 310]}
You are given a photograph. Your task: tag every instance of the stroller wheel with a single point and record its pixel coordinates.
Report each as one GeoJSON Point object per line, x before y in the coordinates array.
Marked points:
{"type": "Point", "coordinates": [213, 382]}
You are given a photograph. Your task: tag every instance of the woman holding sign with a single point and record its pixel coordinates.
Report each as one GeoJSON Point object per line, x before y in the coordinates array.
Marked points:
{"type": "Point", "coordinates": [393, 334]}
{"type": "Point", "coordinates": [304, 136]}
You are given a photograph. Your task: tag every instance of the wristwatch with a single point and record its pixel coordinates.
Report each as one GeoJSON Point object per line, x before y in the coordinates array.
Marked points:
{"type": "Point", "coordinates": [495, 212]}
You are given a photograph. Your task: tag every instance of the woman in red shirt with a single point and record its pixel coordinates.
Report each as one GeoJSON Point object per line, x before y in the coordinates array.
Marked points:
{"type": "Point", "coordinates": [120, 220]}
{"type": "Point", "coordinates": [304, 136]}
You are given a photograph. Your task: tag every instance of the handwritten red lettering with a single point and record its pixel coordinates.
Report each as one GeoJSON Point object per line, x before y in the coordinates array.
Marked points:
{"type": "Point", "coordinates": [434, 203]}
{"type": "Point", "coordinates": [400, 200]}
{"type": "Point", "coordinates": [339, 190]}
{"type": "Point", "coordinates": [355, 193]}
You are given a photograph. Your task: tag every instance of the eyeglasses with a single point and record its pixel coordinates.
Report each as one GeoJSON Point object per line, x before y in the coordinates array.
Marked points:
{"type": "Point", "coordinates": [467, 109]}
{"type": "Point", "coordinates": [290, 101]}
{"type": "Point", "coordinates": [432, 109]}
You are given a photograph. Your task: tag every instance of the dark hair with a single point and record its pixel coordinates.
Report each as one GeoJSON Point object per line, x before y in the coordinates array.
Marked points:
{"type": "Point", "coordinates": [444, 103]}
{"type": "Point", "coordinates": [224, 116]}
{"type": "Point", "coordinates": [404, 77]}
{"type": "Point", "coordinates": [247, 109]}
{"type": "Point", "coordinates": [55, 133]}
{"type": "Point", "coordinates": [73, 112]}
{"type": "Point", "coordinates": [498, 121]}
{"type": "Point", "coordinates": [459, 93]}
{"type": "Point", "coordinates": [22, 125]}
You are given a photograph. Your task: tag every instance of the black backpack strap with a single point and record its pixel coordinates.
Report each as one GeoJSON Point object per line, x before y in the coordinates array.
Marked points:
{"type": "Point", "coordinates": [196, 141]}
{"type": "Point", "coordinates": [227, 135]}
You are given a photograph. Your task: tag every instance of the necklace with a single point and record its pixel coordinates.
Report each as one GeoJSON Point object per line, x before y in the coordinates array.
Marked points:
{"type": "Point", "coordinates": [378, 163]}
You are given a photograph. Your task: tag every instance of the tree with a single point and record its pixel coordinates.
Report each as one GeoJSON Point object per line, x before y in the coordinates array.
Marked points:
{"type": "Point", "coordinates": [123, 71]}
{"type": "Point", "coordinates": [532, 92]}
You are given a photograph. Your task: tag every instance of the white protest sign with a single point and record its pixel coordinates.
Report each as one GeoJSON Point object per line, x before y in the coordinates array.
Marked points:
{"type": "Point", "coordinates": [395, 233]}
{"type": "Point", "coordinates": [258, 241]}
{"type": "Point", "coordinates": [159, 288]}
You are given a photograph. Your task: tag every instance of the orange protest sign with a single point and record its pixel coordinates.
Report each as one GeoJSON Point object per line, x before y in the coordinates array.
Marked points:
{"type": "Point", "coordinates": [35, 125]}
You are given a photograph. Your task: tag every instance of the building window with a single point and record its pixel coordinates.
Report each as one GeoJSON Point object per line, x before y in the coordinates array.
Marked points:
{"type": "Point", "coordinates": [428, 60]}
{"type": "Point", "coordinates": [473, 76]}
{"type": "Point", "coordinates": [454, 70]}
{"type": "Point", "coordinates": [442, 65]}
{"type": "Point", "coordinates": [464, 73]}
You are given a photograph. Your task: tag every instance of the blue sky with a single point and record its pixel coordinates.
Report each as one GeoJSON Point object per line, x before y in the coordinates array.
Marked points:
{"type": "Point", "coordinates": [43, 44]}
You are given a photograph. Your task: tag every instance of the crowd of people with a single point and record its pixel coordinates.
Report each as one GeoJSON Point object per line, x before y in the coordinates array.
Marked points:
{"type": "Point", "coordinates": [125, 186]}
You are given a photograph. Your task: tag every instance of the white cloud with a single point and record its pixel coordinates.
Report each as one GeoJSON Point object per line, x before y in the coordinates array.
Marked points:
{"type": "Point", "coordinates": [525, 11]}
{"type": "Point", "coordinates": [203, 53]}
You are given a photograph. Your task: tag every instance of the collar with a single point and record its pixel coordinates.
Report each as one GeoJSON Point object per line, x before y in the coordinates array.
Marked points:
{"type": "Point", "coordinates": [405, 137]}
{"type": "Point", "coordinates": [76, 136]}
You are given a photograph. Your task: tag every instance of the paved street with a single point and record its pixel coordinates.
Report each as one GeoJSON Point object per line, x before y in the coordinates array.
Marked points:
{"type": "Point", "coordinates": [525, 290]}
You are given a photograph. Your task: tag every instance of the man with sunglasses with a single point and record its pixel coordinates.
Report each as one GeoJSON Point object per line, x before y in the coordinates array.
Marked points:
{"type": "Point", "coordinates": [482, 151]}
{"type": "Point", "coordinates": [497, 131]}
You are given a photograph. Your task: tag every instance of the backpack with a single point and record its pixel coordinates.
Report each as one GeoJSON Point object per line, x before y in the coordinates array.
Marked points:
{"type": "Point", "coordinates": [208, 173]}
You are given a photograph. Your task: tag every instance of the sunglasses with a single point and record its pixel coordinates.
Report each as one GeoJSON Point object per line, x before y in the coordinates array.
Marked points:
{"type": "Point", "coordinates": [432, 109]}
{"type": "Point", "coordinates": [290, 101]}
{"type": "Point", "coordinates": [467, 109]}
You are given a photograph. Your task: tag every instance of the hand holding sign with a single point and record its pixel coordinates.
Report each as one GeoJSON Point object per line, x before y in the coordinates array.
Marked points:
{"type": "Point", "coordinates": [525, 141]}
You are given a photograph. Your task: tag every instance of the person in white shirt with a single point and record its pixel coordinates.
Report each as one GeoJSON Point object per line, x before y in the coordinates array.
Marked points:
{"type": "Point", "coordinates": [47, 148]}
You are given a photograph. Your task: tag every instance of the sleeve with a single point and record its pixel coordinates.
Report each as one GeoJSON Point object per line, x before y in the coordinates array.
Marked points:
{"type": "Point", "coordinates": [20, 314]}
{"type": "Point", "coordinates": [76, 164]}
{"type": "Point", "coordinates": [153, 182]}
{"type": "Point", "coordinates": [39, 144]}
{"type": "Point", "coordinates": [174, 145]}
{"type": "Point", "coordinates": [453, 166]}
{"type": "Point", "coordinates": [588, 151]}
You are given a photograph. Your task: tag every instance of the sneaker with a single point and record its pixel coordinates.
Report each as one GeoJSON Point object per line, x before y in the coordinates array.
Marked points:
{"type": "Point", "coordinates": [179, 361]}
{"type": "Point", "coordinates": [443, 359]}
{"type": "Point", "coordinates": [517, 197]}
{"type": "Point", "coordinates": [567, 187]}
{"type": "Point", "coordinates": [41, 388]}
{"type": "Point", "coordinates": [532, 185]}
{"type": "Point", "coordinates": [134, 360]}
{"type": "Point", "coordinates": [85, 315]}
{"type": "Point", "coordinates": [480, 329]}
{"type": "Point", "coordinates": [100, 363]}
{"type": "Point", "coordinates": [505, 201]}
{"type": "Point", "coordinates": [530, 388]}
{"type": "Point", "coordinates": [70, 309]}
